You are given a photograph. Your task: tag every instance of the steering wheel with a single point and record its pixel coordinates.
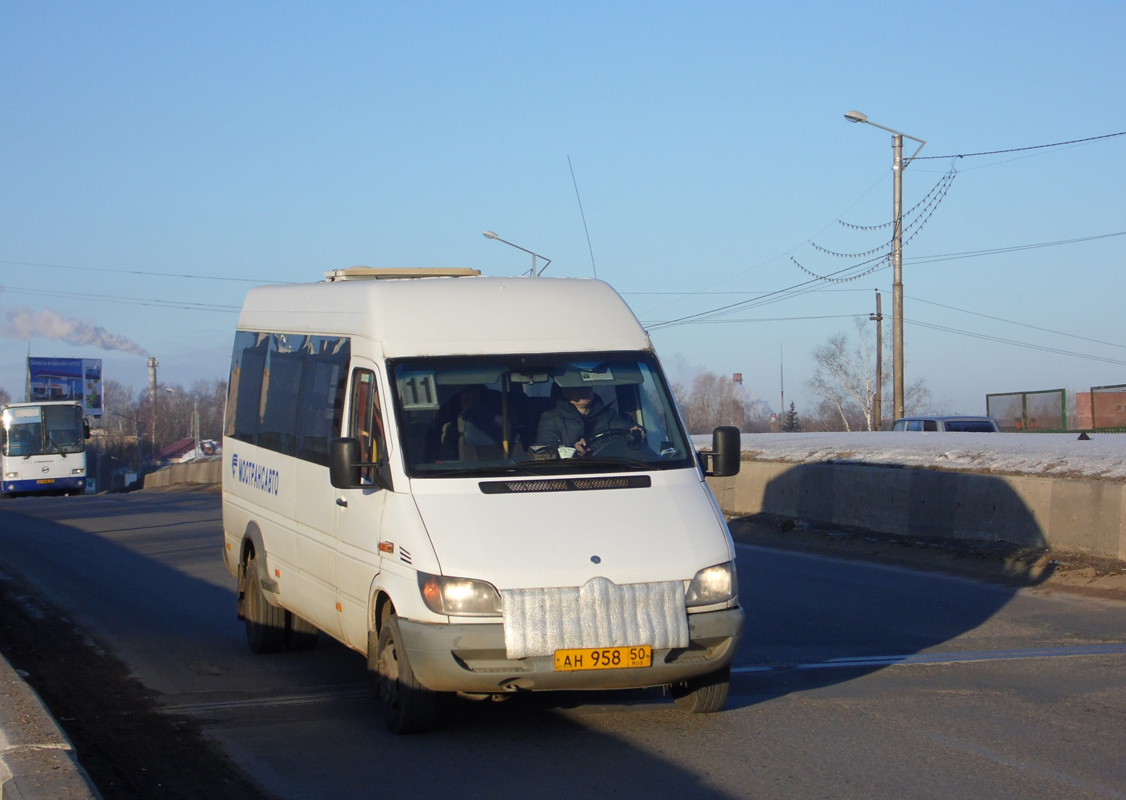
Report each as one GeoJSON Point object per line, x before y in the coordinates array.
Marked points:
{"type": "Point", "coordinates": [632, 437]}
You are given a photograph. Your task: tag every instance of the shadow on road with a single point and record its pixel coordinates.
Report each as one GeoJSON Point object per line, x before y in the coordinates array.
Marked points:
{"type": "Point", "coordinates": [804, 612]}
{"type": "Point", "coordinates": [143, 577]}
{"type": "Point", "coordinates": [143, 574]}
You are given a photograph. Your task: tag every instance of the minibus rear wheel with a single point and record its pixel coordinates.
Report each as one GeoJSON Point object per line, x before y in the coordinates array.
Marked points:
{"type": "Point", "coordinates": [265, 624]}
{"type": "Point", "coordinates": [409, 706]}
{"type": "Point", "coordinates": [299, 634]}
{"type": "Point", "coordinates": [705, 694]}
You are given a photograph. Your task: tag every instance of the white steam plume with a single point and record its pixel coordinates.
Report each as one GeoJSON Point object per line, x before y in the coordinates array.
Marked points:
{"type": "Point", "coordinates": [23, 323]}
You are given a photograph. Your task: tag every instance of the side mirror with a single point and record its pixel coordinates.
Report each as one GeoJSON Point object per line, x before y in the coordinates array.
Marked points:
{"type": "Point", "coordinates": [344, 466]}
{"type": "Point", "coordinates": [725, 456]}
{"type": "Point", "coordinates": [344, 463]}
{"type": "Point", "coordinates": [85, 428]}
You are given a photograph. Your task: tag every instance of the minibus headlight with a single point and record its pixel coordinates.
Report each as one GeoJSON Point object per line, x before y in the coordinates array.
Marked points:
{"type": "Point", "coordinates": [78, 472]}
{"type": "Point", "coordinates": [716, 584]}
{"type": "Point", "coordinates": [459, 597]}
{"type": "Point", "coordinates": [11, 474]}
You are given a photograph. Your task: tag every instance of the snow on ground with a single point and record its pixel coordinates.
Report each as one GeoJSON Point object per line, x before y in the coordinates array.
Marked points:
{"type": "Point", "coordinates": [1044, 454]}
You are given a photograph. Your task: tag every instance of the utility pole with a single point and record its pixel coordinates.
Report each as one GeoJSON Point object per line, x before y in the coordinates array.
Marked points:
{"type": "Point", "coordinates": [195, 425]}
{"type": "Point", "coordinates": [153, 364]}
{"type": "Point", "coordinates": [897, 268]}
{"type": "Point", "coordinates": [878, 396]}
{"type": "Point", "coordinates": [781, 380]}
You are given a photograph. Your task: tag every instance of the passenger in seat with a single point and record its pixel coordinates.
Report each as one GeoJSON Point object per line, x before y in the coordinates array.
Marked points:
{"type": "Point", "coordinates": [475, 435]}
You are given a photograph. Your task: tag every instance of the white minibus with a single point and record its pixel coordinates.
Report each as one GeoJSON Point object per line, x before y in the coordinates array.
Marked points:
{"type": "Point", "coordinates": [482, 484]}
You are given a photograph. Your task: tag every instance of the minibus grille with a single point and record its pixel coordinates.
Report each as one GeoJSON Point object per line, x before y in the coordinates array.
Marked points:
{"type": "Point", "coordinates": [566, 484]}
{"type": "Point", "coordinates": [601, 613]}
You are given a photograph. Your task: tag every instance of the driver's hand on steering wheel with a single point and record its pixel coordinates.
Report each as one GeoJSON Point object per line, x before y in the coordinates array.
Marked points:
{"type": "Point", "coordinates": [581, 448]}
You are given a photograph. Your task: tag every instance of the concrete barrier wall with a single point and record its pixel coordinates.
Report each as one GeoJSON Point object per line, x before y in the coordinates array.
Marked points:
{"type": "Point", "coordinates": [1083, 515]}
{"type": "Point", "coordinates": [192, 472]}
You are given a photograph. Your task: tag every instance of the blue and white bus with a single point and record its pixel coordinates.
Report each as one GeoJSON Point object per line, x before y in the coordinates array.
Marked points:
{"type": "Point", "coordinates": [43, 448]}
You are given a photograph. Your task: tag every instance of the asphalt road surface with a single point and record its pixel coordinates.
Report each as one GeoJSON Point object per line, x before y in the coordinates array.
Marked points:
{"type": "Point", "coordinates": [854, 680]}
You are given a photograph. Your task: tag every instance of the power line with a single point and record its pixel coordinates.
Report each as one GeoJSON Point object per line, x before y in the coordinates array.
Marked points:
{"type": "Point", "coordinates": [803, 287]}
{"type": "Point", "coordinates": [727, 294]}
{"type": "Point", "coordinates": [1021, 324]}
{"type": "Point", "coordinates": [762, 319]}
{"type": "Point", "coordinates": [1014, 343]}
{"type": "Point", "coordinates": [144, 272]}
{"type": "Point", "coordinates": [1013, 249]}
{"type": "Point", "coordinates": [124, 301]}
{"type": "Point", "coordinates": [1022, 149]}
{"type": "Point", "coordinates": [780, 255]}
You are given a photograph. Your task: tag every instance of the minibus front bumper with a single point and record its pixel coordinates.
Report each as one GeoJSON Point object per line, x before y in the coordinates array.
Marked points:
{"type": "Point", "coordinates": [472, 658]}
{"type": "Point", "coordinates": [33, 485]}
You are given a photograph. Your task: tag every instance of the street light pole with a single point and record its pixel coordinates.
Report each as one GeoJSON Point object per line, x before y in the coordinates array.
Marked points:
{"type": "Point", "coordinates": [535, 272]}
{"type": "Point", "coordinates": [878, 396]}
{"type": "Point", "coordinates": [897, 167]}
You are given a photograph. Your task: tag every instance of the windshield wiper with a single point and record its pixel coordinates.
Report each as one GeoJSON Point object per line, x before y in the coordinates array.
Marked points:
{"type": "Point", "coordinates": [465, 472]}
{"type": "Point", "coordinates": [580, 463]}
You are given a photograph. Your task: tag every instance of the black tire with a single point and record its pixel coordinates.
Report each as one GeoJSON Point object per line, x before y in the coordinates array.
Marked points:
{"type": "Point", "coordinates": [408, 706]}
{"type": "Point", "coordinates": [706, 694]}
{"type": "Point", "coordinates": [299, 634]}
{"type": "Point", "coordinates": [265, 624]}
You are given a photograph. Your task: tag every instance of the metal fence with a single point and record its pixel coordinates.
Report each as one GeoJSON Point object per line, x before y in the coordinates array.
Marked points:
{"type": "Point", "coordinates": [1042, 410]}
{"type": "Point", "coordinates": [1108, 406]}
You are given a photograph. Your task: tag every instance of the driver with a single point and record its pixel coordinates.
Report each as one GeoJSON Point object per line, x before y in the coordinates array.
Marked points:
{"type": "Point", "coordinates": [578, 416]}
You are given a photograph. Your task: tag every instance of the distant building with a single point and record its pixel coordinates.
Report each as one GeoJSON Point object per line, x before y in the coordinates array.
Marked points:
{"type": "Point", "coordinates": [184, 450]}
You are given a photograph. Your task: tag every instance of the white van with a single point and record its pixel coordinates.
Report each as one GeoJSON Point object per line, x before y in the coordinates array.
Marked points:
{"type": "Point", "coordinates": [483, 484]}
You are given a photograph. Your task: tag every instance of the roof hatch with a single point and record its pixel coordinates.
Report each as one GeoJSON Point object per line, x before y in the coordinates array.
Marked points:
{"type": "Point", "coordinates": [383, 273]}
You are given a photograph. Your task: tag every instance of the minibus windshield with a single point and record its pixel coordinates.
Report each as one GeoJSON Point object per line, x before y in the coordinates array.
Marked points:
{"type": "Point", "coordinates": [577, 412]}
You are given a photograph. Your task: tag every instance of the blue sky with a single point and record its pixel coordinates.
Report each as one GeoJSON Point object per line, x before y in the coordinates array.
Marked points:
{"type": "Point", "coordinates": [243, 142]}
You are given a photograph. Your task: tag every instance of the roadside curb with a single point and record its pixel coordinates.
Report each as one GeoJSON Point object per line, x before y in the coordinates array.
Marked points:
{"type": "Point", "coordinates": [37, 760]}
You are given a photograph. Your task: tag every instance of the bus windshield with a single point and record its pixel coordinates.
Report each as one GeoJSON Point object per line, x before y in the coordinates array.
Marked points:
{"type": "Point", "coordinates": [42, 430]}
{"type": "Point", "coordinates": [589, 412]}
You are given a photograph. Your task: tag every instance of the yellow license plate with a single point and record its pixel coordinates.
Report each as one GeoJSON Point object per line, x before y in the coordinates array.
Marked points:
{"type": "Point", "coordinates": [46, 480]}
{"type": "Point", "coordinates": [603, 658]}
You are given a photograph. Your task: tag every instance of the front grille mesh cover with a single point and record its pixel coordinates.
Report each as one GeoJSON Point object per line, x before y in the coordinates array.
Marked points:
{"type": "Point", "coordinates": [537, 622]}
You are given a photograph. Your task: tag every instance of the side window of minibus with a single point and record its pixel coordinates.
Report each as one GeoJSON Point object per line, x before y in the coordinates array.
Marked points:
{"type": "Point", "coordinates": [365, 420]}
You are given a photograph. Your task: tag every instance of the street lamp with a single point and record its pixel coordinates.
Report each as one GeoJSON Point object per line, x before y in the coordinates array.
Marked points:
{"type": "Point", "coordinates": [897, 167]}
{"type": "Point", "coordinates": [535, 273]}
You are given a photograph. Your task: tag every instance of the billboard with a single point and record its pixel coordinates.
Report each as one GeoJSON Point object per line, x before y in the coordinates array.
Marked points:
{"type": "Point", "coordinates": [77, 379]}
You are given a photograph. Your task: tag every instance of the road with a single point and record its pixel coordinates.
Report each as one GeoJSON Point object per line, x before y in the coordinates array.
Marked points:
{"type": "Point", "coordinates": [854, 680]}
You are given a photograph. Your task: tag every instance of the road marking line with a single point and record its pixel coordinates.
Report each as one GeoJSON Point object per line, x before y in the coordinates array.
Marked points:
{"type": "Point", "coordinates": [853, 662]}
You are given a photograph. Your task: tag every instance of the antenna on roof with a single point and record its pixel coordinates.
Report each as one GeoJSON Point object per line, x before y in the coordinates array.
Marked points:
{"type": "Point", "coordinates": [583, 215]}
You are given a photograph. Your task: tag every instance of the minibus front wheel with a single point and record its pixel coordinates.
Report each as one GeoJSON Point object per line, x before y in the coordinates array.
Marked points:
{"type": "Point", "coordinates": [705, 694]}
{"type": "Point", "coordinates": [409, 707]}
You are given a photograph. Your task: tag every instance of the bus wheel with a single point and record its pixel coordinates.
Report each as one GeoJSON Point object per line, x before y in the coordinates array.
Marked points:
{"type": "Point", "coordinates": [299, 634]}
{"type": "Point", "coordinates": [409, 707]}
{"type": "Point", "coordinates": [705, 694]}
{"type": "Point", "coordinates": [265, 624]}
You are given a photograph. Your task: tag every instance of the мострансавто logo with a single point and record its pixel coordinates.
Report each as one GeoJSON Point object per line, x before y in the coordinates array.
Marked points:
{"type": "Point", "coordinates": [264, 479]}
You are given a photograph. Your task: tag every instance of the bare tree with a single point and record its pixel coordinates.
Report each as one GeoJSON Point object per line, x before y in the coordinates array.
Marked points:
{"type": "Point", "coordinates": [713, 400]}
{"type": "Point", "coordinates": [845, 375]}
{"type": "Point", "coordinates": [845, 381]}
